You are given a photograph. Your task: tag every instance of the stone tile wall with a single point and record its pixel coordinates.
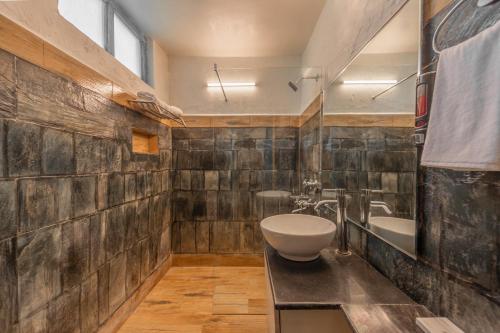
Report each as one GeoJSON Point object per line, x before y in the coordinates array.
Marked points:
{"type": "Point", "coordinates": [355, 158]}
{"type": "Point", "coordinates": [310, 148]}
{"type": "Point", "coordinates": [218, 173]}
{"type": "Point", "coordinates": [83, 220]}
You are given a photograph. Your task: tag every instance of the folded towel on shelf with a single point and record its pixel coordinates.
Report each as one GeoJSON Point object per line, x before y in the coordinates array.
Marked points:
{"type": "Point", "coordinates": [144, 95]}
{"type": "Point", "coordinates": [464, 124]}
{"type": "Point", "coordinates": [175, 111]}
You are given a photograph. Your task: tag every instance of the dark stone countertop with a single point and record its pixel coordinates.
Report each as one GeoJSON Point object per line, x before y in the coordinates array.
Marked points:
{"type": "Point", "coordinates": [329, 282]}
{"type": "Point", "coordinates": [369, 300]}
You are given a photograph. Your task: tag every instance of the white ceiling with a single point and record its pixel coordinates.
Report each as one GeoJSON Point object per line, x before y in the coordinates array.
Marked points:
{"type": "Point", "coordinates": [227, 28]}
{"type": "Point", "coordinates": [400, 35]}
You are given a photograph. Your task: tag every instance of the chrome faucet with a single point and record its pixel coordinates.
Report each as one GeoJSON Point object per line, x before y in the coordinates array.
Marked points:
{"type": "Point", "coordinates": [341, 213]}
{"type": "Point", "coordinates": [366, 203]}
{"type": "Point", "coordinates": [311, 184]}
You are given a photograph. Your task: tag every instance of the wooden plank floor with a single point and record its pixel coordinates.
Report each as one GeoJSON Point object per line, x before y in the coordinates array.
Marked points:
{"type": "Point", "coordinates": [204, 300]}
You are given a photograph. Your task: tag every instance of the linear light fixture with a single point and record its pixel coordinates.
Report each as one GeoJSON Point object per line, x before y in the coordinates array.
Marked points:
{"type": "Point", "coordinates": [370, 82]}
{"type": "Point", "coordinates": [230, 84]}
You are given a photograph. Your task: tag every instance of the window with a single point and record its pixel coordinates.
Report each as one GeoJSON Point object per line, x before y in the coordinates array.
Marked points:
{"type": "Point", "coordinates": [87, 16]}
{"type": "Point", "coordinates": [127, 46]}
{"type": "Point", "coordinates": [107, 25]}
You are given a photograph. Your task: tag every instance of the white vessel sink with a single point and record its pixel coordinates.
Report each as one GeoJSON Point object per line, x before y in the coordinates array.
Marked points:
{"type": "Point", "coordinates": [400, 232]}
{"type": "Point", "coordinates": [298, 237]}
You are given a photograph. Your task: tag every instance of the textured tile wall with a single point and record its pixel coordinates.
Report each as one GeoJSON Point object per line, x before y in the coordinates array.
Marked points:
{"type": "Point", "coordinates": [371, 157]}
{"type": "Point", "coordinates": [83, 220]}
{"type": "Point", "coordinates": [457, 271]}
{"type": "Point", "coordinates": [218, 173]}
{"type": "Point", "coordinates": [309, 148]}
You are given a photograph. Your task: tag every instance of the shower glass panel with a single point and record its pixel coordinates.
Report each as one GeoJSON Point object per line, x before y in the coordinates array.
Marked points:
{"type": "Point", "coordinates": [368, 146]}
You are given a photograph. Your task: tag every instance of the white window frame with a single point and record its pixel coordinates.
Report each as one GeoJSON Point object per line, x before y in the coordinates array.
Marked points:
{"type": "Point", "coordinates": [110, 9]}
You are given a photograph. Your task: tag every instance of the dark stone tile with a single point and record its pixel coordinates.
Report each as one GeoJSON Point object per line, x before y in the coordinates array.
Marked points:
{"type": "Point", "coordinates": [89, 305]}
{"type": "Point", "coordinates": [390, 161]}
{"type": "Point", "coordinates": [36, 323]}
{"type": "Point", "coordinates": [244, 144]}
{"type": "Point", "coordinates": [165, 245]}
{"type": "Point", "coordinates": [212, 205]}
{"type": "Point", "coordinates": [212, 180]}
{"type": "Point", "coordinates": [133, 269]}
{"type": "Point", "coordinates": [63, 315]}
{"type": "Point", "coordinates": [389, 182]}
{"type": "Point", "coordinates": [182, 159]}
{"type": "Point", "coordinates": [185, 178]}
{"type": "Point", "coordinates": [188, 236]}
{"type": "Point", "coordinates": [115, 231]}
{"type": "Point", "coordinates": [287, 159]}
{"type": "Point", "coordinates": [224, 160]}
{"type": "Point", "coordinates": [75, 258]}
{"type": "Point", "coordinates": [180, 144]}
{"type": "Point", "coordinates": [154, 249]}
{"type": "Point", "coordinates": [223, 144]}
{"type": "Point", "coordinates": [202, 160]}
{"type": "Point", "coordinates": [131, 224]}
{"type": "Point", "coordinates": [145, 269]}
{"type": "Point", "coordinates": [97, 241]}
{"type": "Point", "coordinates": [24, 146]}
{"type": "Point", "coordinates": [130, 187]}
{"type": "Point", "coordinates": [58, 155]}
{"type": "Point", "coordinates": [166, 159]}
{"type": "Point", "coordinates": [197, 180]}
{"type": "Point", "coordinates": [87, 154]}
{"type": "Point", "coordinates": [202, 237]}
{"type": "Point", "coordinates": [103, 292]}
{"type": "Point", "coordinates": [192, 133]}
{"type": "Point", "coordinates": [8, 286]}
{"type": "Point", "coordinates": [201, 144]}
{"type": "Point", "coordinates": [117, 278]}
{"type": "Point", "coordinates": [225, 205]}
{"type": "Point", "coordinates": [111, 156]}
{"type": "Point", "coordinates": [247, 237]}
{"type": "Point", "coordinates": [143, 186]}
{"type": "Point", "coordinates": [199, 206]}
{"type": "Point", "coordinates": [42, 83]}
{"type": "Point", "coordinates": [183, 206]}
{"type": "Point", "coordinates": [406, 182]}
{"type": "Point", "coordinates": [155, 183]}
{"type": "Point", "coordinates": [116, 189]}
{"type": "Point", "coordinates": [468, 309]}
{"type": "Point", "coordinates": [43, 202]}
{"type": "Point", "coordinates": [266, 144]}
{"type": "Point", "coordinates": [142, 218]}
{"type": "Point", "coordinates": [102, 191]}
{"type": "Point", "coordinates": [224, 237]}
{"type": "Point", "coordinates": [155, 215]}
{"type": "Point", "coordinates": [374, 180]}
{"type": "Point", "coordinates": [285, 132]}
{"type": "Point", "coordinates": [7, 97]}
{"type": "Point", "coordinates": [166, 181]}
{"type": "Point", "coordinates": [8, 209]}
{"type": "Point", "coordinates": [250, 159]}
{"type": "Point", "coordinates": [225, 180]}
{"type": "Point", "coordinates": [244, 204]}
{"type": "Point", "coordinates": [3, 149]}
{"type": "Point", "coordinates": [39, 275]}
{"type": "Point", "coordinates": [84, 191]}
{"type": "Point", "coordinates": [353, 144]}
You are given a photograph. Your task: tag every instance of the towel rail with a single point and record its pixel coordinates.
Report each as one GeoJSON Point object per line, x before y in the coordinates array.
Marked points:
{"type": "Point", "coordinates": [480, 3]}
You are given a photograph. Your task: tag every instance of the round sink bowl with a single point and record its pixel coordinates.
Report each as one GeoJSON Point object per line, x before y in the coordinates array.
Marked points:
{"type": "Point", "coordinates": [298, 237]}
{"type": "Point", "coordinates": [400, 232]}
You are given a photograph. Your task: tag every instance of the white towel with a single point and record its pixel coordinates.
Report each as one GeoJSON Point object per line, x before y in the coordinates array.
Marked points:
{"type": "Point", "coordinates": [464, 124]}
{"type": "Point", "coordinates": [144, 95]}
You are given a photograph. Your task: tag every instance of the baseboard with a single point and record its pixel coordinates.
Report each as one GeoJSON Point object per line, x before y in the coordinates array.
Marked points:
{"type": "Point", "coordinates": [230, 260]}
{"type": "Point", "coordinates": [118, 318]}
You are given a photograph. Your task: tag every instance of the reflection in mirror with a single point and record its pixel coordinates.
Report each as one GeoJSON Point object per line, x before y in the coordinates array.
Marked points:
{"type": "Point", "coordinates": [367, 136]}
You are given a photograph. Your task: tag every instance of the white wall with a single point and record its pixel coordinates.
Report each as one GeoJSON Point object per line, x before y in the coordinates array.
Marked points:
{"type": "Point", "coordinates": [341, 98]}
{"type": "Point", "coordinates": [271, 95]}
{"type": "Point", "coordinates": [161, 73]}
{"type": "Point", "coordinates": [41, 17]}
{"type": "Point", "coordinates": [343, 29]}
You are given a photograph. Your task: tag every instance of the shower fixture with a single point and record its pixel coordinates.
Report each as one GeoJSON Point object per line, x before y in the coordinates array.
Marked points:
{"type": "Point", "coordinates": [294, 85]}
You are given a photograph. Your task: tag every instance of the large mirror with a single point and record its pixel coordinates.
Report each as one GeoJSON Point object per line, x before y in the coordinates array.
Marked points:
{"type": "Point", "coordinates": [368, 122]}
